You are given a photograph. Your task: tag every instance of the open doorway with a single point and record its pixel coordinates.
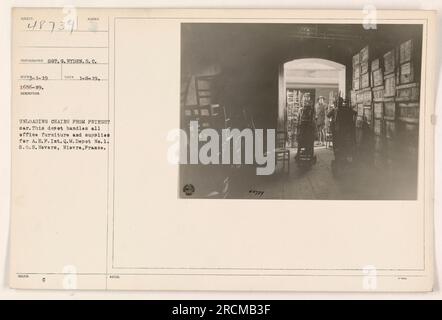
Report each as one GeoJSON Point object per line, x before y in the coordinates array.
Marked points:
{"type": "Point", "coordinates": [322, 80]}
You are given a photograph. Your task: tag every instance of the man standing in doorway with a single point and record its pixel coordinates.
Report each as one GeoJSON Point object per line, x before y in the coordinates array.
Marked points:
{"type": "Point", "coordinates": [320, 120]}
{"type": "Point", "coordinates": [306, 125]}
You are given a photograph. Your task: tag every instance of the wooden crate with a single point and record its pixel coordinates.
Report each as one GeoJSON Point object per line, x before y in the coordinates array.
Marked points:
{"type": "Point", "coordinates": [365, 80]}
{"type": "Point", "coordinates": [356, 84]}
{"type": "Point", "coordinates": [356, 59]}
{"type": "Point", "coordinates": [406, 73]}
{"type": "Point", "coordinates": [378, 110]}
{"type": "Point", "coordinates": [389, 110]}
{"type": "Point", "coordinates": [378, 93]}
{"type": "Point", "coordinates": [389, 62]}
{"type": "Point", "coordinates": [377, 78]}
{"type": "Point", "coordinates": [390, 85]}
{"type": "Point", "coordinates": [408, 92]}
{"type": "Point", "coordinates": [408, 112]}
{"type": "Point", "coordinates": [375, 64]}
{"type": "Point", "coordinates": [364, 67]}
{"type": "Point", "coordinates": [359, 97]}
{"type": "Point", "coordinates": [356, 71]}
{"type": "Point", "coordinates": [405, 51]}
{"type": "Point", "coordinates": [353, 98]}
{"type": "Point", "coordinates": [364, 54]}
{"type": "Point", "coordinates": [367, 97]}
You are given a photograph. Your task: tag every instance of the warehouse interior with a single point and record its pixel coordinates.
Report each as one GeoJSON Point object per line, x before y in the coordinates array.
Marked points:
{"type": "Point", "coordinates": [246, 75]}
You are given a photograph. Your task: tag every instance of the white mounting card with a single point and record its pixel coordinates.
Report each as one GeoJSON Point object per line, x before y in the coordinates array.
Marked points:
{"type": "Point", "coordinates": [185, 149]}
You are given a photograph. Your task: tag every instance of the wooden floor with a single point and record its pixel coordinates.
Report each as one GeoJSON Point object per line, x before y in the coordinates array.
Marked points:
{"type": "Point", "coordinates": [318, 182]}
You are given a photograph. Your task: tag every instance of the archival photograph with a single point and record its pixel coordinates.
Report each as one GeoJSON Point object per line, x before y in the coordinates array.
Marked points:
{"type": "Point", "coordinates": [299, 111]}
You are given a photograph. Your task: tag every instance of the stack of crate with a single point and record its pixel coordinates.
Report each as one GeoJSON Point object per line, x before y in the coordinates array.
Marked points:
{"type": "Point", "coordinates": [390, 66]}
{"type": "Point", "coordinates": [407, 99]}
{"type": "Point", "coordinates": [356, 82]}
{"type": "Point", "coordinates": [390, 103]}
{"type": "Point", "coordinates": [377, 83]}
{"type": "Point", "coordinates": [365, 91]}
{"type": "Point", "coordinates": [361, 95]}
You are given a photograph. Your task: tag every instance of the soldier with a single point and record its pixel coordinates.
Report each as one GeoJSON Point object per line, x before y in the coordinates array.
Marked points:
{"type": "Point", "coordinates": [320, 119]}
{"type": "Point", "coordinates": [306, 125]}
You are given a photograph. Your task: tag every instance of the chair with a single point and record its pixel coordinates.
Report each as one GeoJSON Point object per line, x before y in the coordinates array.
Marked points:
{"type": "Point", "coordinates": [282, 153]}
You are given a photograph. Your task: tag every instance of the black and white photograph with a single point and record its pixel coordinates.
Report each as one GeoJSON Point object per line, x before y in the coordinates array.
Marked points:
{"type": "Point", "coordinates": [300, 111]}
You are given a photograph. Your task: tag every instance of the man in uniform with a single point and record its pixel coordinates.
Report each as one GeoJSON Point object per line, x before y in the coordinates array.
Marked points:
{"type": "Point", "coordinates": [320, 120]}
{"type": "Point", "coordinates": [306, 125]}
